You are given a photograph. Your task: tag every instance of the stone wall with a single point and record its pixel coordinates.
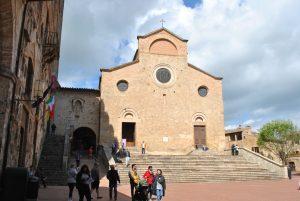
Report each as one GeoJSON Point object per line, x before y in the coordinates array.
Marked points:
{"type": "Point", "coordinates": [70, 115]}
{"type": "Point", "coordinates": [264, 162]}
{"type": "Point", "coordinates": [164, 113]}
{"type": "Point", "coordinates": [23, 57]}
{"type": "Point", "coordinates": [248, 140]}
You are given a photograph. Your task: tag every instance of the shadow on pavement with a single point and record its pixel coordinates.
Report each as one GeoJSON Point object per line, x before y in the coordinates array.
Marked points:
{"type": "Point", "coordinates": [60, 193]}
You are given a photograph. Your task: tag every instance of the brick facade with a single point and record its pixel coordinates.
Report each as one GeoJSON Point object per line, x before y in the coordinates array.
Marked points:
{"type": "Point", "coordinates": [164, 114]}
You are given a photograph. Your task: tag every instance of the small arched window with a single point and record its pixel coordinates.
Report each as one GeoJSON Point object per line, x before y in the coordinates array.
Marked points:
{"type": "Point", "coordinates": [29, 78]}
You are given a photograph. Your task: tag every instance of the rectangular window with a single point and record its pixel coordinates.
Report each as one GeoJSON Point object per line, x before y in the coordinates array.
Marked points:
{"type": "Point", "coordinates": [255, 149]}
{"type": "Point", "coordinates": [239, 136]}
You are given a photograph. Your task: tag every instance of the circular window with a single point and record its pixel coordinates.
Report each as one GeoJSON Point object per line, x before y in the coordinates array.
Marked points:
{"type": "Point", "coordinates": [163, 75]}
{"type": "Point", "coordinates": [122, 85]}
{"type": "Point", "coordinates": [203, 91]}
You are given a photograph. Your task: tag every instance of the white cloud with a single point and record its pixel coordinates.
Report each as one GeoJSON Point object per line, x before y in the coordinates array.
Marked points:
{"type": "Point", "coordinates": [255, 46]}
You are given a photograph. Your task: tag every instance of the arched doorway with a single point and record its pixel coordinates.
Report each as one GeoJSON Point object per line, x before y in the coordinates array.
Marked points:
{"type": "Point", "coordinates": [83, 139]}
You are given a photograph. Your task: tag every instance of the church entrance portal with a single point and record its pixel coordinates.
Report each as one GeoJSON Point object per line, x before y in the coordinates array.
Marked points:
{"type": "Point", "coordinates": [128, 133]}
{"type": "Point", "coordinates": [200, 136]}
{"type": "Point", "coordinates": [83, 139]}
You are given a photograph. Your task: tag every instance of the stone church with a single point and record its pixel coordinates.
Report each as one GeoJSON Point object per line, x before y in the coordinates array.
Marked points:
{"type": "Point", "coordinates": [158, 97]}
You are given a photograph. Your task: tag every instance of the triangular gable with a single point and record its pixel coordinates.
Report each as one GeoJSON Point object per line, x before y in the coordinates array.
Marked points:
{"type": "Point", "coordinates": [206, 73]}
{"type": "Point", "coordinates": [162, 29]}
{"type": "Point", "coordinates": [118, 67]}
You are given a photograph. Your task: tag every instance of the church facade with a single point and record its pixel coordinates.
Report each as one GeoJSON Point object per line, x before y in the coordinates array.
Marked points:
{"type": "Point", "coordinates": [161, 99]}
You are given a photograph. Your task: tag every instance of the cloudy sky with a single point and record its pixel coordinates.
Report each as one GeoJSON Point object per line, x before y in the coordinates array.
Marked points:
{"type": "Point", "coordinates": [253, 44]}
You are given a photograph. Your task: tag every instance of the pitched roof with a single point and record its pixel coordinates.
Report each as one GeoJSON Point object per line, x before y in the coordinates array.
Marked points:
{"type": "Point", "coordinates": [162, 29]}
{"type": "Point", "coordinates": [198, 69]}
{"type": "Point", "coordinates": [79, 89]}
{"type": "Point", "coordinates": [118, 67]}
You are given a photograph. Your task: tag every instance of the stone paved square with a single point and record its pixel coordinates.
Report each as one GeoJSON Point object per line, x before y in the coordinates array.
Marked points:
{"type": "Point", "coordinates": [280, 190]}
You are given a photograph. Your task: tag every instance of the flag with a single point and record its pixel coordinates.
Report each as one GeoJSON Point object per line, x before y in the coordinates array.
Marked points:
{"type": "Point", "coordinates": [51, 102]}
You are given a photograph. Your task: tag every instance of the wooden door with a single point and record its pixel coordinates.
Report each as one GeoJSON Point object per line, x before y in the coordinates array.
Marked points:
{"type": "Point", "coordinates": [200, 135]}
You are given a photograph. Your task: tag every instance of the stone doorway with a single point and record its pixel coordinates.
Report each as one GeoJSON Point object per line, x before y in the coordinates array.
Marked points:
{"type": "Point", "coordinates": [83, 139]}
{"type": "Point", "coordinates": [199, 135]}
{"type": "Point", "coordinates": [128, 133]}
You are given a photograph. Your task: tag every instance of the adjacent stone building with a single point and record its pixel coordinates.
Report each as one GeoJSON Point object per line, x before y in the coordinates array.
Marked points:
{"type": "Point", "coordinates": [29, 53]}
{"type": "Point", "coordinates": [77, 116]}
{"type": "Point", "coordinates": [243, 137]}
{"type": "Point", "coordinates": [161, 99]}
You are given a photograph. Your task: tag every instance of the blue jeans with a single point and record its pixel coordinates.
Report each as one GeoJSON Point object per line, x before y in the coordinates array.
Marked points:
{"type": "Point", "coordinates": [159, 194]}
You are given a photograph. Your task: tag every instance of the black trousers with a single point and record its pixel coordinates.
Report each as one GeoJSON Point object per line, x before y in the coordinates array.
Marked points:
{"type": "Point", "coordinates": [44, 182]}
{"type": "Point", "coordinates": [150, 190]}
{"type": "Point", "coordinates": [71, 188]}
{"type": "Point", "coordinates": [111, 189]}
{"type": "Point", "coordinates": [84, 191]}
{"type": "Point", "coordinates": [132, 190]}
{"type": "Point", "coordinates": [143, 151]}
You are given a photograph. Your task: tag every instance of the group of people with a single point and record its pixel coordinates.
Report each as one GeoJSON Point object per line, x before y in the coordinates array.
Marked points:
{"type": "Point", "coordinates": [84, 180]}
{"type": "Point", "coordinates": [124, 152]}
{"type": "Point", "coordinates": [234, 149]}
{"type": "Point", "coordinates": [142, 189]}
{"type": "Point", "coordinates": [150, 184]}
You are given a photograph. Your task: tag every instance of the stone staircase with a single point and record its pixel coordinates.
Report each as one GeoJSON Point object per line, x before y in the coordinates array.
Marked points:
{"type": "Point", "coordinates": [51, 161]}
{"type": "Point", "coordinates": [198, 167]}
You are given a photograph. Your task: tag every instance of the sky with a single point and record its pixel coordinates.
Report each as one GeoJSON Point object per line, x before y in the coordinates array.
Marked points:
{"type": "Point", "coordinates": [253, 44]}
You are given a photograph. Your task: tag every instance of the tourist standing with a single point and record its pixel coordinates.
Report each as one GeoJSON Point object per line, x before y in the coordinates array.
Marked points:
{"type": "Point", "coordinates": [77, 158]}
{"type": "Point", "coordinates": [289, 170]}
{"type": "Point", "coordinates": [133, 178]}
{"type": "Point", "coordinates": [143, 147]}
{"type": "Point", "coordinates": [149, 177]}
{"type": "Point", "coordinates": [123, 149]}
{"type": "Point", "coordinates": [113, 178]}
{"type": "Point", "coordinates": [90, 152]}
{"type": "Point", "coordinates": [232, 149]}
{"type": "Point", "coordinates": [96, 180]}
{"type": "Point", "coordinates": [72, 172]}
{"type": "Point", "coordinates": [53, 129]}
{"type": "Point", "coordinates": [127, 157]}
{"type": "Point", "coordinates": [236, 149]}
{"type": "Point", "coordinates": [159, 185]}
{"type": "Point", "coordinates": [83, 180]}
{"type": "Point", "coordinates": [113, 149]}
{"type": "Point", "coordinates": [40, 174]}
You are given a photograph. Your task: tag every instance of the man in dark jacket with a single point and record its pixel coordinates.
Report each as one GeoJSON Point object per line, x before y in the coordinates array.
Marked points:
{"type": "Point", "coordinates": [113, 178]}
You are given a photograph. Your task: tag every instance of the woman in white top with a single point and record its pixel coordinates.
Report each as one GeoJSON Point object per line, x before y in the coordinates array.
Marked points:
{"type": "Point", "coordinates": [72, 172]}
{"type": "Point", "coordinates": [83, 181]}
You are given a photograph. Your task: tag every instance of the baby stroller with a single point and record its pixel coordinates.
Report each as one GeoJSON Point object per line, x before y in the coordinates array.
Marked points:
{"type": "Point", "coordinates": [141, 192]}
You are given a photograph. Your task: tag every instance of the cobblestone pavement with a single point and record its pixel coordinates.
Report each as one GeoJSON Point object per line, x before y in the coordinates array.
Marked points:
{"type": "Point", "coordinates": [280, 190]}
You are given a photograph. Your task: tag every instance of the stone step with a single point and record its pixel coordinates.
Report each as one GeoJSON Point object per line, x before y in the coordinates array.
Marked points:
{"type": "Point", "coordinates": [199, 168]}
{"type": "Point", "coordinates": [51, 160]}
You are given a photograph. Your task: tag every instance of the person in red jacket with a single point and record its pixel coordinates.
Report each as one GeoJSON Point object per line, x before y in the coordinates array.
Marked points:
{"type": "Point", "coordinates": [149, 177]}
